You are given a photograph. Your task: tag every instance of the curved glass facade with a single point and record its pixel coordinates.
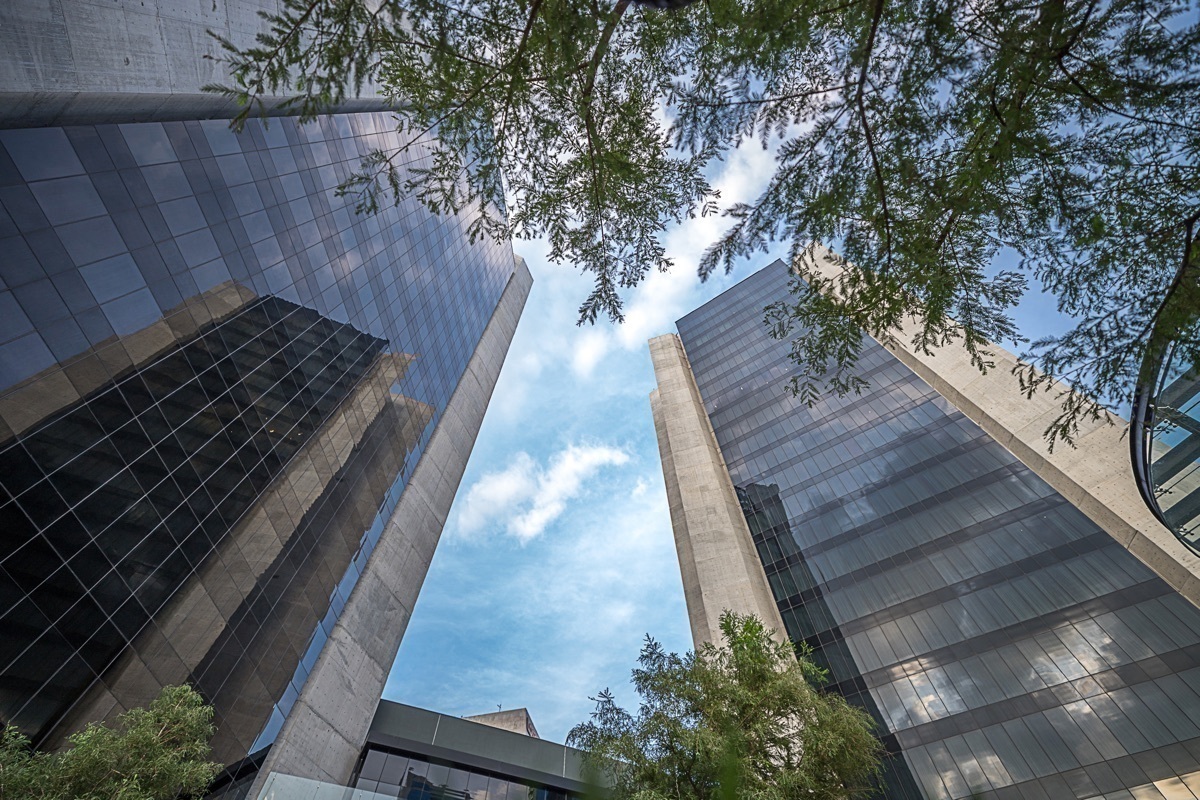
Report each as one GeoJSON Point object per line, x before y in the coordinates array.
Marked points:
{"type": "Point", "coordinates": [215, 382]}
{"type": "Point", "coordinates": [1165, 439]}
{"type": "Point", "coordinates": [1004, 643]}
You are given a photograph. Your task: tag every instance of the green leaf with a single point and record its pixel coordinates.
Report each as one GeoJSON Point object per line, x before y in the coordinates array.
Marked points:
{"type": "Point", "coordinates": [925, 142]}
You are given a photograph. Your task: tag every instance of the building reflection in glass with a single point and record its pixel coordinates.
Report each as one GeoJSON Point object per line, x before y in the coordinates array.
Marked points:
{"type": "Point", "coordinates": [215, 382]}
{"type": "Point", "coordinates": [1009, 646]}
{"type": "Point", "coordinates": [412, 778]}
{"type": "Point", "coordinates": [198, 491]}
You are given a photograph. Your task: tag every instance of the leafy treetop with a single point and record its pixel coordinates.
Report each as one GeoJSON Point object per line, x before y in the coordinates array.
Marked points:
{"type": "Point", "coordinates": [922, 140]}
{"type": "Point", "coordinates": [745, 720]}
{"type": "Point", "coordinates": [154, 753]}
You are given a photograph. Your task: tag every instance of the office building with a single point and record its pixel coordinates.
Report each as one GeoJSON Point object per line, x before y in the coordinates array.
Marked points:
{"type": "Point", "coordinates": [415, 754]}
{"type": "Point", "coordinates": [1007, 643]}
{"type": "Point", "coordinates": [233, 412]}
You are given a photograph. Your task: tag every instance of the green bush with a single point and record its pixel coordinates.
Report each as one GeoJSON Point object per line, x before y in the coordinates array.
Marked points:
{"type": "Point", "coordinates": [155, 753]}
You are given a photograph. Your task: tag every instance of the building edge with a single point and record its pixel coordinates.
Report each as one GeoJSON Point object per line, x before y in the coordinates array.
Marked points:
{"type": "Point", "coordinates": [718, 561]}
{"type": "Point", "coordinates": [53, 109]}
{"type": "Point", "coordinates": [327, 728]}
{"type": "Point", "coordinates": [1095, 475]}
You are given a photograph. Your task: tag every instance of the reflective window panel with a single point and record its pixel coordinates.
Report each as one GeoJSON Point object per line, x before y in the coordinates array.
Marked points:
{"type": "Point", "coordinates": [1004, 643]}
{"type": "Point", "coordinates": [414, 777]}
{"type": "Point", "coordinates": [215, 381]}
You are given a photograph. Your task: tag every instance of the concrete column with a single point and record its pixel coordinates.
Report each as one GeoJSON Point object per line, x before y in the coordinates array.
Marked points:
{"type": "Point", "coordinates": [717, 557]}
{"type": "Point", "coordinates": [328, 725]}
{"type": "Point", "coordinates": [1095, 475]}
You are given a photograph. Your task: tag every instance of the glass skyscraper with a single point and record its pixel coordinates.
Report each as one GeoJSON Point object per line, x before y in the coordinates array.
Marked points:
{"type": "Point", "coordinates": [217, 382]}
{"type": "Point", "coordinates": [1006, 645]}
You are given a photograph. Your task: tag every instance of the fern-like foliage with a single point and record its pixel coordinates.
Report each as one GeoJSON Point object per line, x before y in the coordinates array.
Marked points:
{"type": "Point", "coordinates": [920, 139]}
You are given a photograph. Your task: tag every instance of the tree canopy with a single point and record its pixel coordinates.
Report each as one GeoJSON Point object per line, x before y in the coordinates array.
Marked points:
{"type": "Point", "coordinates": [928, 142]}
{"type": "Point", "coordinates": [746, 720]}
{"type": "Point", "coordinates": [154, 753]}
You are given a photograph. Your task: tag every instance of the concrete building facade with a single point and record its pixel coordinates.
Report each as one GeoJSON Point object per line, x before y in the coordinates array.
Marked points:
{"type": "Point", "coordinates": [1008, 642]}
{"type": "Point", "coordinates": [516, 720]}
{"type": "Point", "coordinates": [82, 62]}
{"type": "Point", "coordinates": [233, 412]}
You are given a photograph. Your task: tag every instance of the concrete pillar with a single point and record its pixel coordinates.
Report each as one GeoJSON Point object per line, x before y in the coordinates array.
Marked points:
{"type": "Point", "coordinates": [717, 557]}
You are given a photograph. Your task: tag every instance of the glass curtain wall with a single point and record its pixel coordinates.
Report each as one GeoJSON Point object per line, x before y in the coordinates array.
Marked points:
{"type": "Point", "coordinates": [1004, 643]}
{"type": "Point", "coordinates": [215, 381]}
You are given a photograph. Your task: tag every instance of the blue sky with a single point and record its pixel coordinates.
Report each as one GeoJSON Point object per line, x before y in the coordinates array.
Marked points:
{"type": "Point", "coordinates": [557, 557]}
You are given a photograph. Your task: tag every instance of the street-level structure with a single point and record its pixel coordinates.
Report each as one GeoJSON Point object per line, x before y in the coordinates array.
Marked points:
{"type": "Point", "coordinates": [416, 754]}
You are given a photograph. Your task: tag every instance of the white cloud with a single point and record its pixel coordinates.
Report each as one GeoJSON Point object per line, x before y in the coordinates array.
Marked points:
{"type": "Point", "coordinates": [663, 297]}
{"type": "Point", "coordinates": [586, 597]}
{"type": "Point", "coordinates": [498, 493]}
{"type": "Point", "coordinates": [660, 300]}
{"type": "Point", "coordinates": [546, 621]}
{"type": "Point", "coordinates": [524, 498]}
{"type": "Point", "coordinates": [590, 347]}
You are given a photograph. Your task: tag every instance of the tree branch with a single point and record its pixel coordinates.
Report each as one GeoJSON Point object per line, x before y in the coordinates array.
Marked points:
{"type": "Point", "coordinates": [589, 86]}
{"type": "Point", "coordinates": [862, 112]}
{"type": "Point", "coordinates": [779, 99]}
{"type": "Point", "coordinates": [1087, 94]}
{"type": "Point", "coordinates": [602, 47]}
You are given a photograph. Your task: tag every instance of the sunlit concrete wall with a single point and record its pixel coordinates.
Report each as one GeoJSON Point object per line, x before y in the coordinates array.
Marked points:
{"type": "Point", "coordinates": [720, 566]}
{"type": "Point", "coordinates": [72, 62]}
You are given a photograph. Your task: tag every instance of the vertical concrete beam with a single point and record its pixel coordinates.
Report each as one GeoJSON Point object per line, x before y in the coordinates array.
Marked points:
{"type": "Point", "coordinates": [1095, 475]}
{"type": "Point", "coordinates": [717, 557]}
{"type": "Point", "coordinates": [328, 725]}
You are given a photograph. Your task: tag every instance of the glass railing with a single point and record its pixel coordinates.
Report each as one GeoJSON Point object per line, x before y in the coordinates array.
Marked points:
{"type": "Point", "coordinates": [291, 787]}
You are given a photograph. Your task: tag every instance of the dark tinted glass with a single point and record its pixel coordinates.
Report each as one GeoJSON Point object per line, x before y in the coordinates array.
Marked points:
{"type": "Point", "coordinates": [215, 382]}
{"type": "Point", "coordinates": [416, 778]}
